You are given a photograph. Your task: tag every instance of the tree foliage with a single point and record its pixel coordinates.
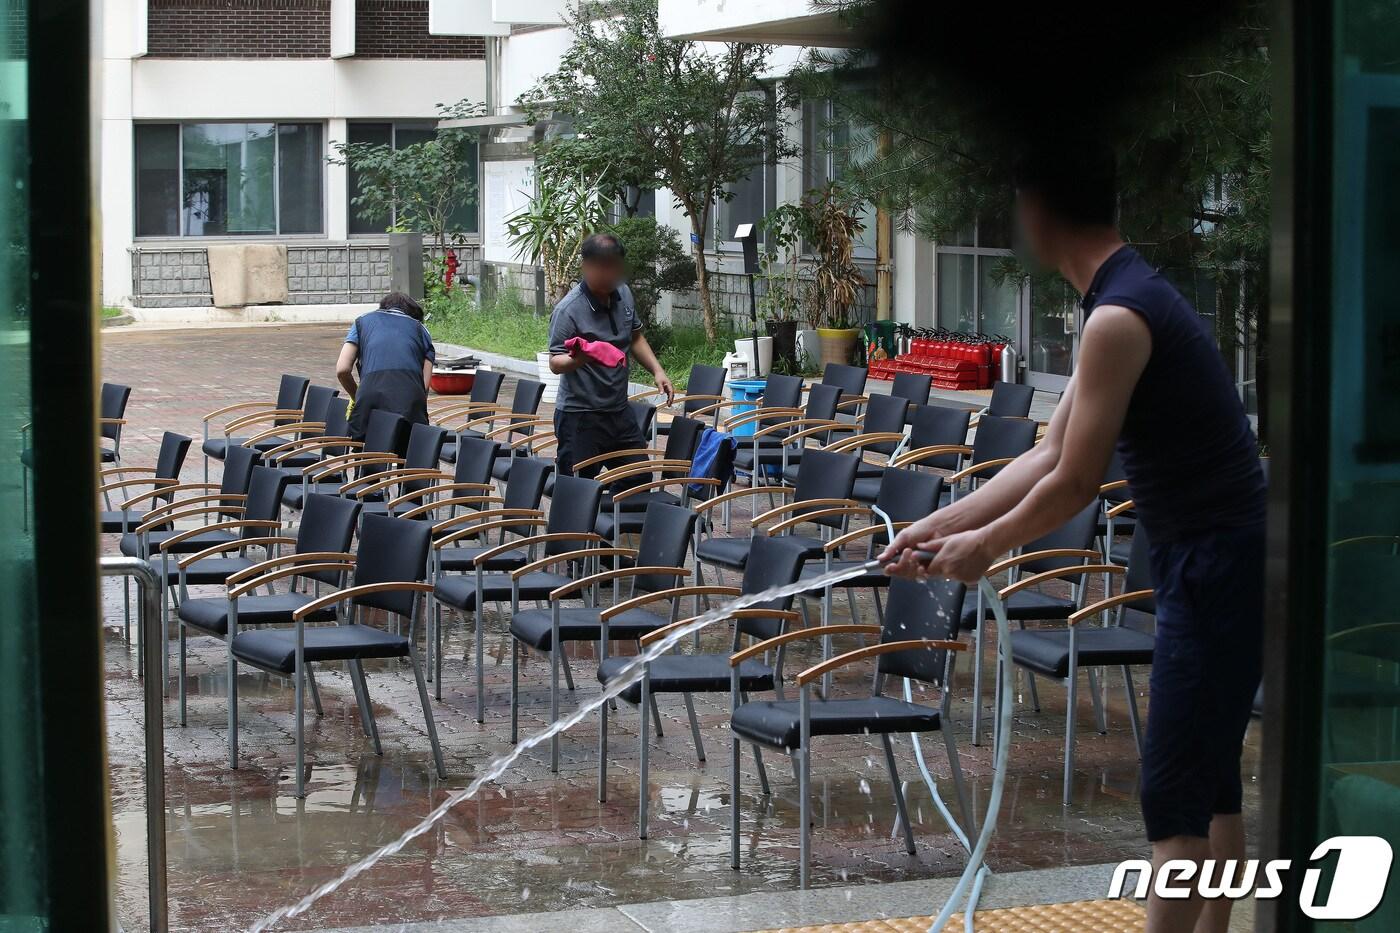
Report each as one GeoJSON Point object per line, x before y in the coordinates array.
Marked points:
{"type": "Point", "coordinates": [650, 112]}
{"type": "Point", "coordinates": [550, 230]}
{"type": "Point", "coordinates": [655, 262]}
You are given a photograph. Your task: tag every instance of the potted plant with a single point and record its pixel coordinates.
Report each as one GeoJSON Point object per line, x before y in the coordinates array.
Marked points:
{"type": "Point", "coordinates": [781, 303]}
{"type": "Point", "coordinates": [837, 278]}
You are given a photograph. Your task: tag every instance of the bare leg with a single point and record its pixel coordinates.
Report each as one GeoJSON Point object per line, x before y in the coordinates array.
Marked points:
{"type": "Point", "coordinates": [1226, 842]}
{"type": "Point", "coordinates": [1176, 916]}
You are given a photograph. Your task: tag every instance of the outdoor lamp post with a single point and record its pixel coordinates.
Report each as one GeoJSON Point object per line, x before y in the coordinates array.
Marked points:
{"type": "Point", "coordinates": [748, 237]}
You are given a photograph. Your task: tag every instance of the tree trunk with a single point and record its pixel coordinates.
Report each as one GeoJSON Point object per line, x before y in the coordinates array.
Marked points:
{"type": "Point", "coordinates": [702, 277]}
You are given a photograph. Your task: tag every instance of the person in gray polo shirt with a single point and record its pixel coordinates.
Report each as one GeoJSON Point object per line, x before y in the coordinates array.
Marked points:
{"type": "Point", "coordinates": [591, 332]}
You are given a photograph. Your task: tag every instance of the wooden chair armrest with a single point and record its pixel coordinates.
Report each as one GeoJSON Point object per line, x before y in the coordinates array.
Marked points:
{"type": "Point", "coordinates": [581, 554]}
{"type": "Point", "coordinates": [1075, 571]}
{"type": "Point", "coordinates": [225, 546]}
{"type": "Point", "coordinates": [514, 426]}
{"type": "Point", "coordinates": [631, 491]}
{"type": "Point", "coordinates": [537, 439]}
{"type": "Point", "coordinates": [853, 401]}
{"type": "Point", "coordinates": [188, 533]}
{"type": "Point", "coordinates": [642, 468]}
{"type": "Point", "coordinates": [546, 538]}
{"type": "Point", "coordinates": [616, 573]}
{"type": "Point", "coordinates": [870, 651]}
{"type": "Point", "coordinates": [487, 514]}
{"type": "Point", "coordinates": [188, 508]}
{"type": "Point", "coordinates": [302, 445]}
{"type": "Point", "coordinates": [980, 468]}
{"type": "Point", "coordinates": [238, 406]}
{"type": "Point", "coordinates": [355, 592]}
{"type": "Point", "coordinates": [1110, 487]}
{"type": "Point", "coordinates": [834, 427]}
{"type": "Point", "coordinates": [262, 417]}
{"type": "Point", "coordinates": [698, 397]}
{"type": "Point", "coordinates": [613, 455]}
{"type": "Point", "coordinates": [113, 471]}
{"type": "Point", "coordinates": [816, 631]}
{"type": "Point", "coordinates": [740, 493]}
{"type": "Point", "coordinates": [295, 427]}
{"type": "Point", "coordinates": [761, 414]}
{"type": "Point", "coordinates": [373, 482]}
{"type": "Point", "coordinates": [167, 490]}
{"type": "Point", "coordinates": [485, 488]}
{"type": "Point", "coordinates": [679, 592]}
{"type": "Point", "coordinates": [111, 421]}
{"type": "Point", "coordinates": [660, 633]}
{"type": "Point", "coordinates": [456, 410]}
{"type": "Point", "coordinates": [836, 512]}
{"type": "Point", "coordinates": [157, 481]}
{"type": "Point", "coordinates": [864, 440]}
{"type": "Point", "coordinates": [643, 395]}
{"type": "Point", "coordinates": [273, 576]}
{"type": "Point", "coordinates": [806, 504]}
{"type": "Point", "coordinates": [286, 560]}
{"type": "Point", "coordinates": [820, 425]}
{"type": "Point", "coordinates": [1010, 562]}
{"type": "Point", "coordinates": [920, 454]}
{"type": "Point", "coordinates": [1120, 508]}
{"type": "Point", "coordinates": [337, 465]}
{"type": "Point", "coordinates": [835, 544]}
{"type": "Point", "coordinates": [1094, 609]}
{"type": "Point", "coordinates": [476, 531]}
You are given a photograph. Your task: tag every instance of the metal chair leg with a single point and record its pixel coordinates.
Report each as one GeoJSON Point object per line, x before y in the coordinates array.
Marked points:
{"type": "Point", "coordinates": [977, 637]}
{"type": "Point", "coordinates": [182, 674]}
{"type": "Point", "coordinates": [554, 654]}
{"type": "Point", "coordinates": [656, 716]}
{"type": "Point", "coordinates": [959, 779]}
{"type": "Point", "coordinates": [367, 721]}
{"type": "Point", "coordinates": [514, 690]}
{"type": "Point", "coordinates": [231, 692]}
{"type": "Point", "coordinates": [1072, 698]}
{"type": "Point", "coordinates": [568, 671]}
{"type": "Point", "coordinates": [603, 753]}
{"type": "Point", "coordinates": [480, 648]}
{"type": "Point", "coordinates": [1133, 716]}
{"type": "Point", "coordinates": [1100, 722]}
{"type": "Point", "coordinates": [804, 787]}
{"type": "Point", "coordinates": [734, 779]}
{"type": "Point", "coordinates": [315, 692]}
{"type": "Point", "coordinates": [427, 710]}
{"type": "Point", "coordinates": [694, 727]}
{"type": "Point", "coordinates": [299, 685]}
{"type": "Point", "coordinates": [898, 794]}
{"type": "Point", "coordinates": [643, 736]}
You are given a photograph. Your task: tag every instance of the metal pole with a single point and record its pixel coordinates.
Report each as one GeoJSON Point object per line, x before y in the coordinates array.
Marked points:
{"type": "Point", "coordinates": [148, 583]}
{"type": "Point", "coordinates": [753, 320]}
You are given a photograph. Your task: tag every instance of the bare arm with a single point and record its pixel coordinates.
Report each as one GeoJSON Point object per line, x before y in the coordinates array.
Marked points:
{"type": "Point", "coordinates": [345, 369]}
{"type": "Point", "coordinates": [642, 350]}
{"type": "Point", "coordinates": [561, 363]}
{"type": "Point", "coordinates": [427, 374]}
{"type": "Point", "coordinates": [1116, 347]}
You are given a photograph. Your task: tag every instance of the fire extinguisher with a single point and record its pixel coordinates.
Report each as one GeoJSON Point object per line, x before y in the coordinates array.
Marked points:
{"type": "Point", "coordinates": [451, 269]}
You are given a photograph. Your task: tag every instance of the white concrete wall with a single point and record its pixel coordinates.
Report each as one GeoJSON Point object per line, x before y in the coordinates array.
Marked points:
{"type": "Point", "coordinates": [527, 57]}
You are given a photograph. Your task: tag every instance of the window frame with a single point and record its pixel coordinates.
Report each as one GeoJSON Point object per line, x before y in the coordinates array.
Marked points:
{"type": "Point", "coordinates": [416, 123]}
{"type": "Point", "coordinates": [979, 253]}
{"type": "Point", "coordinates": [723, 240]}
{"type": "Point", "coordinates": [180, 234]}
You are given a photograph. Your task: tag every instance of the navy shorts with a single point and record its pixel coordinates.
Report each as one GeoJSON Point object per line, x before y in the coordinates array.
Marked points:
{"type": "Point", "coordinates": [1205, 671]}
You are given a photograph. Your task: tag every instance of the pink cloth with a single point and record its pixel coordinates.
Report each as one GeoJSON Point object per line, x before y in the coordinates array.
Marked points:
{"type": "Point", "coordinates": [599, 351]}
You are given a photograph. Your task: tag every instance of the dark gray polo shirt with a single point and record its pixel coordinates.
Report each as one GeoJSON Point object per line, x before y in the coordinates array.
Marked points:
{"type": "Point", "coordinates": [582, 314]}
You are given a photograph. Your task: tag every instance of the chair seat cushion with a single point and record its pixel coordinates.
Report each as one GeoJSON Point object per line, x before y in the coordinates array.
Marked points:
{"type": "Point", "coordinates": [1122, 525]}
{"type": "Point", "coordinates": [865, 580]}
{"type": "Point", "coordinates": [534, 627]}
{"type": "Point", "coordinates": [208, 571]}
{"type": "Point", "coordinates": [211, 615]}
{"type": "Point", "coordinates": [275, 649]}
{"type": "Point", "coordinates": [1047, 652]}
{"type": "Point", "coordinates": [690, 673]}
{"type": "Point", "coordinates": [640, 501]}
{"type": "Point", "coordinates": [1025, 606]}
{"type": "Point", "coordinates": [866, 489]}
{"type": "Point", "coordinates": [460, 590]}
{"type": "Point", "coordinates": [131, 543]}
{"type": "Point", "coordinates": [293, 498]}
{"type": "Point", "coordinates": [868, 470]}
{"type": "Point", "coordinates": [500, 469]}
{"type": "Point", "coordinates": [464, 558]}
{"type": "Point", "coordinates": [217, 447]}
{"type": "Point", "coordinates": [727, 552]}
{"type": "Point", "coordinates": [108, 456]}
{"type": "Point", "coordinates": [778, 723]}
{"type": "Point", "coordinates": [112, 521]}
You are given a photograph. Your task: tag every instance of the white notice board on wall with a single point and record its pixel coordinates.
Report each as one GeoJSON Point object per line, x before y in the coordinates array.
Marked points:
{"type": "Point", "coordinates": [507, 186]}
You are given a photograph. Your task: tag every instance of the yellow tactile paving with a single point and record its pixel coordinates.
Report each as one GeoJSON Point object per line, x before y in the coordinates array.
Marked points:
{"type": "Point", "coordinates": [1106, 916]}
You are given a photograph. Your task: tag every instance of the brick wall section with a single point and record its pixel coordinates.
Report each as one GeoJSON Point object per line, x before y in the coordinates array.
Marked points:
{"type": "Point", "coordinates": [239, 28]}
{"type": "Point", "coordinates": [399, 29]}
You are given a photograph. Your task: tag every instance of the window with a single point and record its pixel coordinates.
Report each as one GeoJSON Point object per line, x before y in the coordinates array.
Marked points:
{"type": "Point", "coordinates": [399, 135]}
{"type": "Point", "coordinates": [973, 296]}
{"type": "Point", "coordinates": [753, 195]}
{"type": "Point", "coordinates": [830, 144]}
{"type": "Point", "coordinates": [229, 179]}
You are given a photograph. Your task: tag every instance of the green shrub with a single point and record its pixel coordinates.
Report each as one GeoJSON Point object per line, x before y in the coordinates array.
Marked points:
{"type": "Point", "coordinates": [655, 262]}
{"type": "Point", "coordinates": [508, 325]}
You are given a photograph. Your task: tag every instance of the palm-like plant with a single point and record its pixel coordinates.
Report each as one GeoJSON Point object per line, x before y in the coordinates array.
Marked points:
{"type": "Point", "coordinates": [550, 231]}
{"type": "Point", "coordinates": [835, 226]}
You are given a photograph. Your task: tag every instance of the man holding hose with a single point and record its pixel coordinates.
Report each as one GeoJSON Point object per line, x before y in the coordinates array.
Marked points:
{"type": "Point", "coordinates": [1151, 380]}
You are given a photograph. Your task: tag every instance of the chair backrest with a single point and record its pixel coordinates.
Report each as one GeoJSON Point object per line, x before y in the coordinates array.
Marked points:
{"type": "Point", "coordinates": [999, 438]}
{"type": "Point", "coordinates": [1011, 400]}
{"type": "Point", "coordinates": [238, 471]}
{"type": "Point", "coordinates": [573, 508]}
{"type": "Point", "coordinates": [327, 524]}
{"type": "Point", "coordinates": [528, 393]}
{"type": "Point", "coordinates": [920, 609]}
{"type": "Point", "coordinates": [782, 391]}
{"type": "Point", "coordinates": [337, 419]}
{"type": "Point", "coordinates": [386, 432]}
{"type": "Point", "coordinates": [392, 550]}
{"type": "Point", "coordinates": [171, 458]}
{"type": "Point", "coordinates": [849, 379]}
{"type": "Point", "coordinates": [666, 534]}
{"type": "Point", "coordinates": [912, 386]}
{"type": "Point", "coordinates": [935, 426]}
{"type": "Point", "coordinates": [424, 449]}
{"type": "Point", "coordinates": [291, 392]}
{"type": "Point", "coordinates": [525, 487]}
{"type": "Point", "coordinates": [821, 401]}
{"type": "Point", "coordinates": [318, 402]}
{"type": "Point", "coordinates": [683, 438]}
{"type": "Point", "coordinates": [1139, 575]}
{"type": "Point", "coordinates": [1078, 533]}
{"type": "Point", "coordinates": [704, 380]}
{"type": "Point", "coordinates": [885, 413]}
{"type": "Point", "coordinates": [908, 495]}
{"type": "Point", "coordinates": [264, 503]}
{"type": "Point", "coordinates": [772, 562]}
{"type": "Point", "coordinates": [475, 455]}
{"type": "Point", "coordinates": [486, 386]}
{"type": "Point", "coordinates": [645, 414]}
{"type": "Point", "coordinates": [113, 405]}
{"type": "Point", "coordinates": [826, 475]}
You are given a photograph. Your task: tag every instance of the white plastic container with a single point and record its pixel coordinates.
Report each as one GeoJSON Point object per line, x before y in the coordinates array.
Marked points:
{"type": "Point", "coordinates": [550, 380]}
{"type": "Point", "coordinates": [743, 347]}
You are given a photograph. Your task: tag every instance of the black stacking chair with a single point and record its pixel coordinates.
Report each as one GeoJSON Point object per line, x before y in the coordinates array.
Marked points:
{"type": "Point", "coordinates": [320, 555]}
{"type": "Point", "coordinates": [286, 409]}
{"type": "Point", "coordinates": [773, 446]}
{"type": "Point", "coordinates": [385, 443]}
{"type": "Point", "coordinates": [1010, 400]}
{"type": "Point", "coordinates": [851, 381]}
{"type": "Point", "coordinates": [170, 459]}
{"type": "Point", "coordinates": [470, 480]}
{"type": "Point", "coordinates": [524, 412]}
{"type": "Point", "coordinates": [1064, 652]}
{"type": "Point", "coordinates": [486, 389]}
{"type": "Point", "coordinates": [704, 388]}
{"type": "Point", "coordinates": [1115, 522]}
{"type": "Point", "coordinates": [388, 575]}
{"type": "Point", "coordinates": [822, 496]}
{"type": "Point", "coordinates": [781, 397]}
{"type": "Point", "coordinates": [331, 441]}
{"type": "Point", "coordinates": [224, 499]}
{"type": "Point", "coordinates": [880, 431]}
{"type": "Point", "coordinates": [998, 442]}
{"type": "Point", "coordinates": [311, 424]}
{"type": "Point", "coordinates": [918, 641]}
{"type": "Point", "coordinates": [569, 531]}
{"type": "Point", "coordinates": [937, 440]}
{"type": "Point", "coordinates": [419, 470]}
{"type": "Point", "coordinates": [913, 387]}
{"type": "Point", "coordinates": [639, 482]}
{"type": "Point", "coordinates": [111, 419]}
{"type": "Point", "coordinates": [658, 565]}
{"type": "Point", "coordinates": [775, 561]}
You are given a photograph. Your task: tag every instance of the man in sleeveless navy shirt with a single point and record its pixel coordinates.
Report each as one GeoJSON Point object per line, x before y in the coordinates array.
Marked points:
{"type": "Point", "coordinates": [1150, 380]}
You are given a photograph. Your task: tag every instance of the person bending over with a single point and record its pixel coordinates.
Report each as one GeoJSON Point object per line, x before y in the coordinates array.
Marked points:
{"type": "Point", "coordinates": [394, 355]}
{"type": "Point", "coordinates": [591, 331]}
{"type": "Point", "coordinates": [1150, 379]}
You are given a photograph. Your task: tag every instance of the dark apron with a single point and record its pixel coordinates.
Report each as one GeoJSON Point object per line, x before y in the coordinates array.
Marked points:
{"type": "Point", "coordinates": [397, 390]}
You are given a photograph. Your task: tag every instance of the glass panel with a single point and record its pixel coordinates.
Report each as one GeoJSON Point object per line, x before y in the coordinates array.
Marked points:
{"type": "Point", "coordinates": [467, 218]}
{"type": "Point", "coordinates": [229, 178]}
{"type": "Point", "coordinates": [815, 144]}
{"type": "Point", "coordinates": [405, 136]}
{"type": "Point", "coordinates": [1051, 346]}
{"type": "Point", "coordinates": [158, 179]}
{"type": "Point", "coordinates": [300, 157]}
{"type": "Point", "coordinates": [22, 896]}
{"type": "Point", "coordinates": [746, 207]}
{"type": "Point", "coordinates": [999, 298]}
{"type": "Point", "coordinates": [378, 134]}
{"type": "Point", "coordinates": [956, 283]}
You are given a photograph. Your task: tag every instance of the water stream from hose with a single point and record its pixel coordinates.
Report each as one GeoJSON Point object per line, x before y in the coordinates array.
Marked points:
{"type": "Point", "coordinates": [497, 766]}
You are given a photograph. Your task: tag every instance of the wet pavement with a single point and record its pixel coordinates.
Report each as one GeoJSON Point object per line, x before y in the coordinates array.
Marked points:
{"type": "Point", "coordinates": [240, 844]}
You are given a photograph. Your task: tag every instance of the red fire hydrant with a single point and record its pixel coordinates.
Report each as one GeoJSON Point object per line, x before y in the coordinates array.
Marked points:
{"type": "Point", "coordinates": [451, 270]}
